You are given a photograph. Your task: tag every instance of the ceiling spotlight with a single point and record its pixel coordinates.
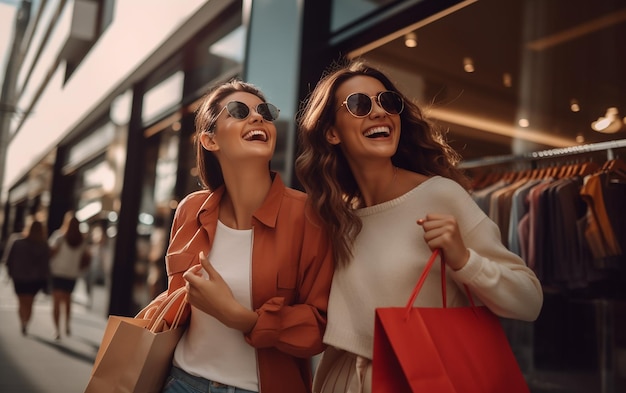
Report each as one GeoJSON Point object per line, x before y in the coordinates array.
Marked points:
{"type": "Point", "coordinates": [574, 106]}
{"type": "Point", "coordinates": [468, 64]}
{"type": "Point", "coordinates": [609, 123]}
{"type": "Point", "coordinates": [507, 79]}
{"type": "Point", "coordinates": [410, 40]}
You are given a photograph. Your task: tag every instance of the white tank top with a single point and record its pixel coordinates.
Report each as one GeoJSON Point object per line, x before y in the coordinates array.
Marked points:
{"type": "Point", "coordinates": [208, 348]}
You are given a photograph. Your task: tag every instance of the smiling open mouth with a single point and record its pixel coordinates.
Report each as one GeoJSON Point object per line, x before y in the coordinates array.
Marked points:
{"type": "Point", "coordinates": [256, 135]}
{"type": "Point", "coordinates": [377, 132]}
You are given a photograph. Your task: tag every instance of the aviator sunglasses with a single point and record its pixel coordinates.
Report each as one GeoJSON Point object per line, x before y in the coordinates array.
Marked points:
{"type": "Point", "coordinates": [360, 104]}
{"type": "Point", "coordinates": [241, 111]}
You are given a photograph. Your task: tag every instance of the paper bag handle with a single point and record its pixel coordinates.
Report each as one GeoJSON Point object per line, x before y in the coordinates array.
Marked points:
{"type": "Point", "coordinates": [420, 283]}
{"type": "Point", "coordinates": [170, 301]}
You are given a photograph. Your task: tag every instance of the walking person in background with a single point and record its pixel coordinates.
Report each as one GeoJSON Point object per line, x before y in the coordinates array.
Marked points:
{"type": "Point", "coordinates": [253, 256]}
{"type": "Point", "coordinates": [27, 257]}
{"type": "Point", "coordinates": [385, 184]}
{"type": "Point", "coordinates": [68, 256]}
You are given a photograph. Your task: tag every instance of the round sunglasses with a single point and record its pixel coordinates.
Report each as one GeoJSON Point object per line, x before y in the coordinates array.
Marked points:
{"type": "Point", "coordinates": [241, 111]}
{"type": "Point", "coordinates": [360, 104]}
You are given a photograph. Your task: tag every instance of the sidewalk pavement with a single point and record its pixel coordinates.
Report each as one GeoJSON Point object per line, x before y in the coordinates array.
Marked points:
{"type": "Point", "coordinates": [37, 363]}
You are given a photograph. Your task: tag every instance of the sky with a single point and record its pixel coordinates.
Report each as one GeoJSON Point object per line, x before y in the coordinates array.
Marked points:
{"type": "Point", "coordinates": [7, 19]}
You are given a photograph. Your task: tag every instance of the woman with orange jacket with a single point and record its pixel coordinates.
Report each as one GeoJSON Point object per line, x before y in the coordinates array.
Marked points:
{"type": "Point", "coordinates": [255, 261]}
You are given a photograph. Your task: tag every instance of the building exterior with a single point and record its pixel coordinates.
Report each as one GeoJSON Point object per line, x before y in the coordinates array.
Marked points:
{"type": "Point", "coordinates": [103, 95]}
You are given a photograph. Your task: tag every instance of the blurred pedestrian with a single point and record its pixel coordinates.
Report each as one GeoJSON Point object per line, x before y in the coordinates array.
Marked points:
{"type": "Point", "coordinates": [68, 258]}
{"type": "Point", "coordinates": [27, 256]}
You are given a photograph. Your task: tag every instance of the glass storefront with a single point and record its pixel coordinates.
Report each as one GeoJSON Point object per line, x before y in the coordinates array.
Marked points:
{"type": "Point", "coordinates": [90, 184]}
{"type": "Point", "coordinates": [155, 214]}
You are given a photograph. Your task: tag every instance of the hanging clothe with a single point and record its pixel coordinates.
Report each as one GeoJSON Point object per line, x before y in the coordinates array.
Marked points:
{"type": "Point", "coordinates": [566, 221]}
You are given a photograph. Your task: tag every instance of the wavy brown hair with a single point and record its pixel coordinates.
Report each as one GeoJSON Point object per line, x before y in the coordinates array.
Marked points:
{"type": "Point", "coordinates": [209, 169]}
{"type": "Point", "coordinates": [323, 169]}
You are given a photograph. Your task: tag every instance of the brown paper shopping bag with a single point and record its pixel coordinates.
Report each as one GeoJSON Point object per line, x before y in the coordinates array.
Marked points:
{"type": "Point", "coordinates": [135, 354]}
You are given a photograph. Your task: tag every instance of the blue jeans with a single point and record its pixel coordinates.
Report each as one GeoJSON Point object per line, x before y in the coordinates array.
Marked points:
{"type": "Point", "coordinates": [180, 382]}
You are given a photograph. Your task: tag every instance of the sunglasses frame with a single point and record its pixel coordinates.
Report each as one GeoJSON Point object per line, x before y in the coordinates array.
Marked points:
{"type": "Point", "coordinates": [256, 109]}
{"type": "Point", "coordinates": [375, 98]}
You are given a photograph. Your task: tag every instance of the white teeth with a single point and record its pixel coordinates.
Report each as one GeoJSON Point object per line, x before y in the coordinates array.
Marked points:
{"type": "Point", "coordinates": [258, 135]}
{"type": "Point", "coordinates": [377, 130]}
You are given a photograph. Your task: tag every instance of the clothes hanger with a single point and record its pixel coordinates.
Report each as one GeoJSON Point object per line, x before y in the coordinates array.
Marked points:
{"type": "Point", "coordinates": [617, 168]}
{"type": "Point", "coordinates": [588, 168]}
{"type": "Point", "coordinates": [563, 171]}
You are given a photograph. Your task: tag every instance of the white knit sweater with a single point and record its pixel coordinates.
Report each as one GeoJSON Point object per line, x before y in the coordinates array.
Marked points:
{"type": "Point", "coordinates": [390, 254]}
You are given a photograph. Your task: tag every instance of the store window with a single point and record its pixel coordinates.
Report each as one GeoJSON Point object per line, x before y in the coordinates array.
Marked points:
{"type": "Point", "coordinates": [345, 12]}
{"type": "Point", "coordinates": [218, 54]}
{"type": "Point", "coordinates": [96, 193]}
{"type": "Point", "coordinates": [155, 213]}
{"type": "Point", "coordinates": [517, 76]}
{"type": "Point", "coordinates": [89, 146]}
{"type": "Point", "coordinates": [163, 97]}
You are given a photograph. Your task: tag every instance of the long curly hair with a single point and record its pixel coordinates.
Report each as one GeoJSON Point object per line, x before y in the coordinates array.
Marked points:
{"type": "Point", "coordinates": [209, 169]}
{"type": "Point", "coordinates": [323, 169]}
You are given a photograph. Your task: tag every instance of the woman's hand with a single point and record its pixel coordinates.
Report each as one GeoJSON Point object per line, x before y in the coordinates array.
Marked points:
{"type": "Point", "coordinates": [442, 231]}
{"type": "Point", "coordinates": [213, 296]}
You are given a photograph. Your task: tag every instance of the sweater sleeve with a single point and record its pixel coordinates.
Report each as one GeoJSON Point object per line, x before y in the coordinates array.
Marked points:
{"type": "Point", "coordinates": [496, 276]}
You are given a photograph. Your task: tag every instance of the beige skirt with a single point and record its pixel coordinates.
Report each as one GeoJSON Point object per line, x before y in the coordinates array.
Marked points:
{"type": "Point", "coordinates": [342, 372]}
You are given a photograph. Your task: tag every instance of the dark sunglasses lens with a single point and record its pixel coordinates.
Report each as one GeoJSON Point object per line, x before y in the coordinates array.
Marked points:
{"type": "Point", "coordinates": [359, 104]}
{"type": "Point", "coordinates": [238, 110]}
{"type": "Point", "coordinates": [268, 111]}
{"type": "Point", "coordinates": [391, 102]}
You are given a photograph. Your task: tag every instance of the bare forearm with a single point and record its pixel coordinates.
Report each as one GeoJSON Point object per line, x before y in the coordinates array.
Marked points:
{"type": "Point", "coordinates": [240, 318]}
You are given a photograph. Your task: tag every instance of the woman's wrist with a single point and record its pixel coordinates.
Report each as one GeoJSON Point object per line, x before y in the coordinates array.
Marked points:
{"type": "Point", "coordinates": [241, 318]}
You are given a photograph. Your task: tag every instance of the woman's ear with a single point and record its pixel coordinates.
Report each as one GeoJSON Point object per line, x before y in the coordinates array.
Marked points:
{"type": "Point", "coordinates": [207, 141]}
{"type": "Point", "coordinates": [332, 136]}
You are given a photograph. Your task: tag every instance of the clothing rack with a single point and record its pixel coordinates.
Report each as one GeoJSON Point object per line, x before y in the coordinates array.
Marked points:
{"type": "Point", "coordinates": [547, 154]}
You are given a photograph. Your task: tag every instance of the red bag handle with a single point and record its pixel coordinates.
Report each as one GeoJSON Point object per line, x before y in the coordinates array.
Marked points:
{"type": "Point", "coordinates": [420, 283]}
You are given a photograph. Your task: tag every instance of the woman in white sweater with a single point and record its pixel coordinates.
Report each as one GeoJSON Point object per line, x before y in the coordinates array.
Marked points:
{"type": "Point", "coordinates": [386, 186]}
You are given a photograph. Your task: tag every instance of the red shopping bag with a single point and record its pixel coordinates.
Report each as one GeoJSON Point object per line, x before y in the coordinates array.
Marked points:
{"type": "Point", "coordinates": [441, 350]}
